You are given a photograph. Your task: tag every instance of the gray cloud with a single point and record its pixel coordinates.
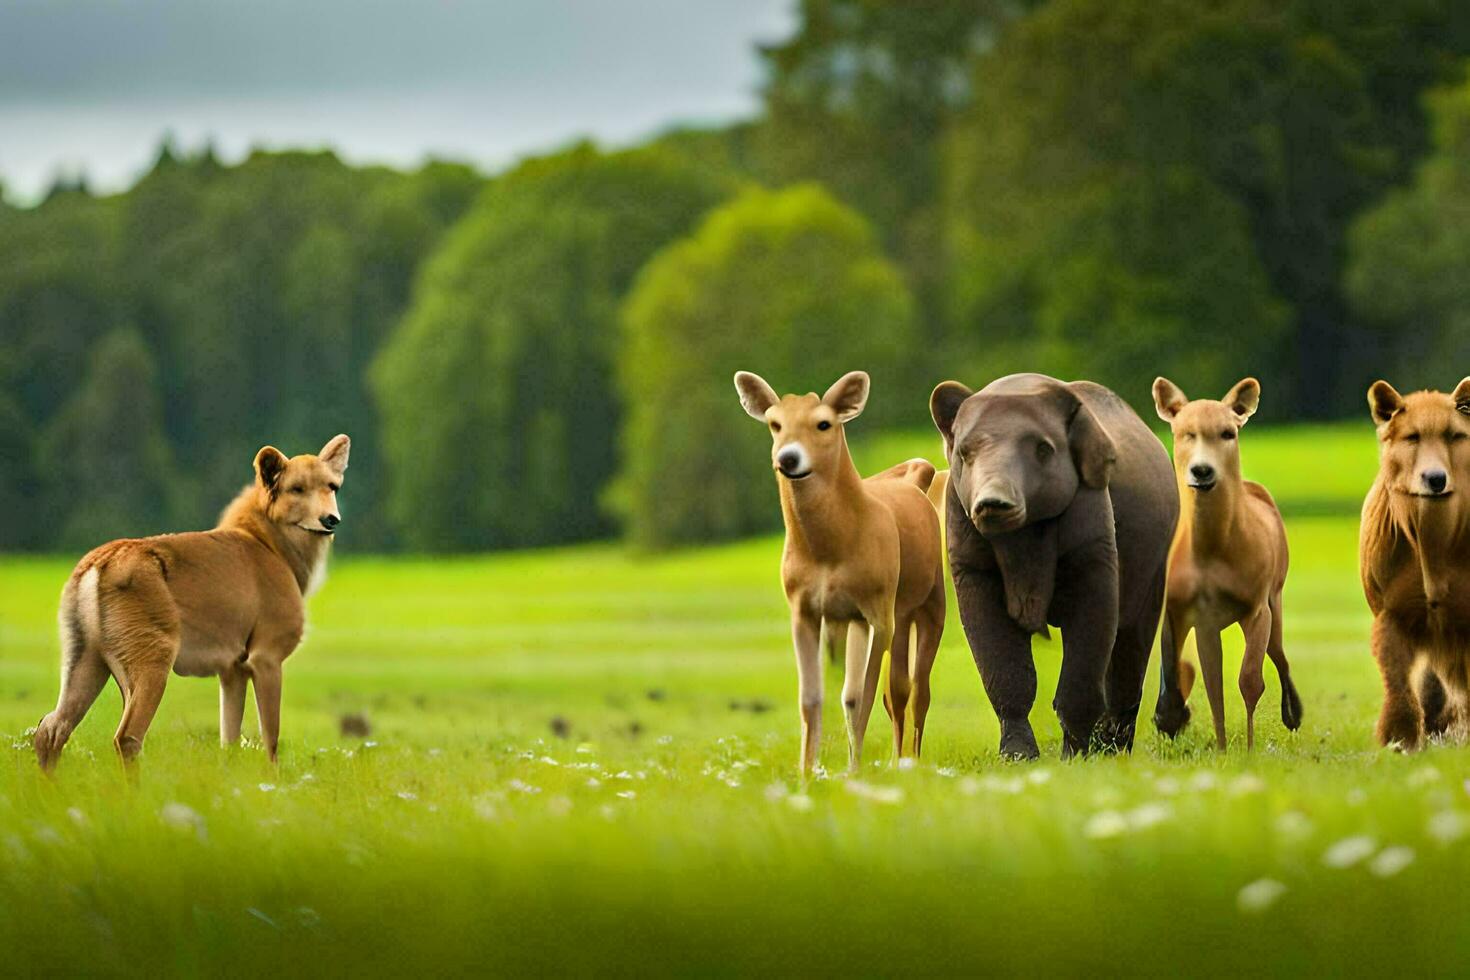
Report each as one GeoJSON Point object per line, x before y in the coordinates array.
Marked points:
{"type": "Point", "coordinates": [92, 84]}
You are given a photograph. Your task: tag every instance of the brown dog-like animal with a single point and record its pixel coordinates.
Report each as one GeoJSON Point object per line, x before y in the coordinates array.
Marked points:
{"type": "Point", "coordinates": [1227, 565]}
{"type": "Point", "coordinates": [226, 602]}
{"type": "Point", "coordinates": [1414, 555]}
{"type": "Point", "coordinates": [856, 550]}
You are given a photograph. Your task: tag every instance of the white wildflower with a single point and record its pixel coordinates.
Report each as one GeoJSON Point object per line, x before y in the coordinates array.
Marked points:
{"type": "Point", "coordinates": [1259, 895]}
{"type": "Point", "coordinates": [1349, 851]}
{"type": "Point", "coordinates": [1105, 824]}
{"type": "Point", "coordinates": [1391, 860]}
{"type": "Point", "coordinates": [1448, 826]}
{"type": "Point", "coordinates": [1246, 784]}
{"type": "Point", "coordinates": [889, 795]}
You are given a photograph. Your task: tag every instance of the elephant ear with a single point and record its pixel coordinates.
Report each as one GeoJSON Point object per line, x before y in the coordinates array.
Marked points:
{"type": "Point", "coordinates": [944, 405]}
{"type": "Point", "coordinates": [1093, 451]}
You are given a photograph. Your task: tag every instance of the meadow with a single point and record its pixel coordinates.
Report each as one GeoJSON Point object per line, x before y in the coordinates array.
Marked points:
{"type": "Point", "coordinates": [584, 760]}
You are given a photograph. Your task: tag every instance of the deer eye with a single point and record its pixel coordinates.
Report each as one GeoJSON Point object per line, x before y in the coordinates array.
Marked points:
{"type": "Point", "coordinates": [1227, 434]}
{"type": "Point", "coordinates": [1411, 437]}
{"type": "Point", "coordinates": [775, 426]}
{"type": "Point", "coordinates": [823, 425]}
{"type": "Point", "coordinates": [1457, 436]}
{"type": "Point", "coordinates": [334, 487]}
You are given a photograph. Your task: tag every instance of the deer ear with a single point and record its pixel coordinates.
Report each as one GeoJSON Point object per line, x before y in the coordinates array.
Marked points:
{"type": "Point", "coordinates": [1462, 397]}
{"type": "Point", "coordinates": [755, 395]}
{"type": "Point", "coordinates": [848, 395]}
{"type": "Point", "coordinates": [1168, 399]}
{"type": "Point", "coordinates": [1385, 403]}
{"type": "Point", "coordinates": [270, 463]}
{"type": "Point", "coordinates": [334, 453]}
{"type": "Point", "coordinates": [1093, 451]}
{"type": "Point", "coordinates": [944, 405]}
{"type": "Point", "coordinates": [1244, 399]}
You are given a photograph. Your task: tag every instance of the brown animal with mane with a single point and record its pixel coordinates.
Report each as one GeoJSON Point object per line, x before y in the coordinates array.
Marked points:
{"type": "Point", "coordinates": [1414, 555]}
{"type": "Point", "coordinates": [856, 551]}
{"type": "Point", "coordinates": [225, 603]}
{"type": "Point", "coordinates": [1227, 565]}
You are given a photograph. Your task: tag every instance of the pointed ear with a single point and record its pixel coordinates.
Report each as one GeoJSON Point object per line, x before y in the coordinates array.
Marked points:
{"type": "Point", "coordinates": [755, 395]}
{"type": "Point", "coordinates": [1244, 398]}
{"type": "Point", "coordinates": [1168, 399]}
{"type": "Point", "coordinates": [1384, 402]}
{"type": "Point", "coordinates": [270, 463]}
{"type": "Point", "coordinates": [944, 404]}
{"type": "Point", "coordinates": [334, 453]}
{"type": "Point", "coordinates": [1093, 451]}
{"type": "Point", "coordinates": [1462, 397]}
{"type": "Point", "coordinates": [848, 395]}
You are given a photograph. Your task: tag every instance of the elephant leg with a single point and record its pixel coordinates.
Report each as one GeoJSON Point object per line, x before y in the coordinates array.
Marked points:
{"type": "Point", "coordinates": [1002, 652]}
{"type": "Point", "coordinates": [1127, 666]}
{"type": "Point", "coordinates": [1089, 629]}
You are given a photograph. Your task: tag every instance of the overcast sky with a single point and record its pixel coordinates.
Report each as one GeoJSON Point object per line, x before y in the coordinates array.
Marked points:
{"type": "Point", "coordinates": [92, 85]}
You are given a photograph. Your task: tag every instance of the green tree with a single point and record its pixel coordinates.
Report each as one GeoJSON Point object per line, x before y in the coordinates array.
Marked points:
{"type": "Point", "coordinates": [1409, 257]}
{"type": "Point", "coordinates": [267, 288]}
{"type": "Point", "coordinates": [1280, 108]}
{"type": "Point", "coordinates": [860, 98]}
{"type": "Point", "coordinates": [106, 466]}
{"type": "Point", "coordinates": [789, 284]}
{"type": "Point", "coordinates": [497, 390]}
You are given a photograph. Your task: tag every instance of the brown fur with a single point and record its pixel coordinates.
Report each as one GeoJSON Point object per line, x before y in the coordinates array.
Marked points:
{"type": "Point", "coordinates": [856, 551]}
{"type": "Point", "coordinates": [226, 603]}
{"type": "Point", "coordinates": [1227, 565]}
{"type": "Point", "coordinates": [1414, 555]}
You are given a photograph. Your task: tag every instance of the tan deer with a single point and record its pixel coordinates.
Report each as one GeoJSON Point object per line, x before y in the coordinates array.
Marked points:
{"type": "Point", "coordinates": [1227, 565]}
{"type": "Point", "coordinates": [864, 553]}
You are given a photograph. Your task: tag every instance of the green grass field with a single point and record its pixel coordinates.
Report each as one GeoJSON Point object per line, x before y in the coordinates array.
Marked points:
{"type": "Point", "coordinates": [582, 761]}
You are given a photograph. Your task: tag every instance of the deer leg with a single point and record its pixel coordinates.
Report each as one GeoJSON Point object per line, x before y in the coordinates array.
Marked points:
{"type": "Point", "coordinates": [805, 638]}
{"type": "Point", "coordinates": [1257, 631]}
{"type": "Point", "coordinates": [1212, 666]}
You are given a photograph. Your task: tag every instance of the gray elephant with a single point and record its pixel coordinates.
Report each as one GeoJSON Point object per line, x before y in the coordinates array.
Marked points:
{"type": "Point", "coordinates": [1061, 510]}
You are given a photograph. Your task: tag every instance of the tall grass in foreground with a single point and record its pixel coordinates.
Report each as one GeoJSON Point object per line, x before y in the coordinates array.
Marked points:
{"type": "Point", "coordinates": [584, 762]}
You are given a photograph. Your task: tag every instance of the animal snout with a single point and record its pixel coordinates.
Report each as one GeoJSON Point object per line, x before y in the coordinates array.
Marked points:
{"type": "Point", "coordinates": [1435, 481]}
{"type": "Point", "coordinates": [994, 508]}
{"type": "Point", "coordinates": [993, 505]}
{"type": "Point", "coordinates": [1202, 475]}
{"type": "Point", "coordinates": [792, 462]}
{"type": "Point", "coordinates": [330, 521]}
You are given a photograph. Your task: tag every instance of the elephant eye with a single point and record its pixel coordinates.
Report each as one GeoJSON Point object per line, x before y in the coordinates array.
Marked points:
{"type": "Point", "coordinates": [1044, 450]}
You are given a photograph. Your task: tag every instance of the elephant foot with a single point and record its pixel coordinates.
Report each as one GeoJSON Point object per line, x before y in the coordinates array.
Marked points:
{"type": "Point", "coordinates": [1017, 741]}
{"type": "Point", "coordinates": [1170, 719]}
{"type": "Point", "coordinates": [1113, 735]}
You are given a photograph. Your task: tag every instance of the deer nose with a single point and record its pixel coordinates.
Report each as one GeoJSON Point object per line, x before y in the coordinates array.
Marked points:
{"type": "Point", "coordinates": [1436, 480]}
{"type": "Point", "coordinates": [1202, 472]}
{"type": "Point", "coordinates": [791, 460]}
{"type": "Point", "coordinates": [330, 521]}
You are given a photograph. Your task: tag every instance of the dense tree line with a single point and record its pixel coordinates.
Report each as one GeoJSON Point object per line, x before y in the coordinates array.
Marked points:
{"type": "Point", "coordinates": [1100, 188]}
